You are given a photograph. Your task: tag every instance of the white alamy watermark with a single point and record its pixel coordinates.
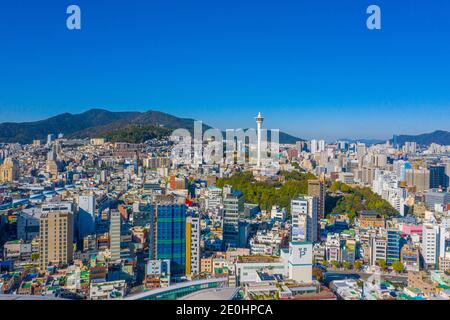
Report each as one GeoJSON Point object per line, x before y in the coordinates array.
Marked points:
{"type": "Point", "coordinates": [73, 21]}
{"type": "Point", "coordinates": [259, 147]}
{"type": "Point", "coordinates": [374, 20]}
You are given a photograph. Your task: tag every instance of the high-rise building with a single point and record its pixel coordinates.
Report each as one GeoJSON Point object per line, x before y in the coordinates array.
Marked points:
{"type": "Point", "coordinates": [87, 203]}
{"type": "Point", "coordinates": [361, 151]}
{"type": "Point", "coordinates": [419, 179]}
{"type": "Point", "coordinates": [304, 212]}
{"type": "Point", "coordinates": [433, 244]}
{"type": "Point", "coordinates": [410, 147]}
{"type": "Point", "coordinates": [86, 215]}
{"type": "Point", "coordinates": [393, 247]}
{"type": "Point", "coordinates": [343, 145]}
{"type": "Point", "coordinates": [233, 202]}
{"type": "Point", "coordinates": [322, 145]}
{"type": "Point", "coordinates": [316, 188]}
{"type": "Point", "coordinates": [192, 245]}
{"type": "Point", "coordinates": [56, 238]}
{"type": "Point", "coordinates": [28, 224]}
{"type": "Point", "coordinates": [9, 171]}
{"type": "Point", "coordinates": [168, 236]}
{"type": "Point", "coordinates": [114, 235]}
{"type": "Point", "coordinates": [438, 178]}
{"type": "Point", "coordinates": [50, 138]}
{"type": "Point", "coordinates": [379, 160]}
{"type": "Point", "coordinates": [395, 141]}
{"type": "Point", "coordinates": [317, 146]}
{"type": "Point", "coordinates": [400, 167]}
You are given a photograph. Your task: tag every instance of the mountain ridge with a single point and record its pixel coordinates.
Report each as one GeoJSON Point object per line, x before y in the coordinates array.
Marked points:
{"type": "Point", "coordinates": [441, 137]}
{"type": "Point", "coordinates": [98, 122]}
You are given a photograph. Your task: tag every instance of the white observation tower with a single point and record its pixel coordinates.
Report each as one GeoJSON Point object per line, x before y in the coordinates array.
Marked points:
{"type": "Point", "coordinates": [259, 121]}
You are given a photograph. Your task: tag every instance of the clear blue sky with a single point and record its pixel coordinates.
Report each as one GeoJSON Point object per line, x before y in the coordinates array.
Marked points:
{"type": "Point", "coordinates": [311, 67]}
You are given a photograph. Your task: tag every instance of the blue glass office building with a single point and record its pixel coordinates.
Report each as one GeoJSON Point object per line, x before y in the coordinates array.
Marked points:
{"type": "Point", "coordinates": [394, 245]}
{"type": "Point", "coordinates": [168, 236]}
{"type": "Point", "coordinates": [438, 178]}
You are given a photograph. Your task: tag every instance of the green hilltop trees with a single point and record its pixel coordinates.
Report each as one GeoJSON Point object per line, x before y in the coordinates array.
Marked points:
{"type": "Point", "coordinates": [266, 194]}
{"type": "Point", "coordinates": [136, 133]}
{"type": "Point", "coordinates": [269, 194]}
{"type": "Point", "coordinates": [357, 199]}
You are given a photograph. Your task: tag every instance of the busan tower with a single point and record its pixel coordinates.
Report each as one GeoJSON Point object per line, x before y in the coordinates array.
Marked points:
{"type": "Point", "coordinates": [259, 121]}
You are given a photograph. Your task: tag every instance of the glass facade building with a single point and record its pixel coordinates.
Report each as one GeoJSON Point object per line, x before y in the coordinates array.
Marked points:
{"type": "Point", "coordinates": [438, 178]}
{"type": "Point", "coordinates": [168, 236]}
{"type": "Point", "coordinates": [233, 208]}
{"type": "Point", "coordinates": [393, 246]}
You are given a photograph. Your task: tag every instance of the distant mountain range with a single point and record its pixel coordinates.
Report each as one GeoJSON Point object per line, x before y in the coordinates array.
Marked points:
{"type": "Point", "coordinates": [365, 141]}
{"type": "Point", "coordinates": [440, 137]}
{"type": "Point", "coordinates": [100, 123]}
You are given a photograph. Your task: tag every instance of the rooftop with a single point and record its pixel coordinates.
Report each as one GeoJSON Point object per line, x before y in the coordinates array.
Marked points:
{"type": "Point", "coordinates": [212, 294]}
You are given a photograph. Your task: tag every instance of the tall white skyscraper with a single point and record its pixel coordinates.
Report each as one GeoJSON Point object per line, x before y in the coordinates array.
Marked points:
{"type": "Point", "coordinates": [86, 215]}
{"type": "Point", "coordinates": [410, 147]}
{"type": "Point", "coordinates": [87, 203]}
{"type": "Point", "coordinates": [50, 138]}
{"type": "Point", "coordinates": [317, 146]}
{"type": "Point", "coordinates": [433, 244]}
{"type": "Point", "coordinates": [259, 121]}
{"type": "Point", "coordinates": [321, 145]}
{"type": "Point", "coordinates": [304, 212]}
{"type": "Point", "coordinates": [361, 151]}
{"type": "Point", "coordinates": [314, 146]}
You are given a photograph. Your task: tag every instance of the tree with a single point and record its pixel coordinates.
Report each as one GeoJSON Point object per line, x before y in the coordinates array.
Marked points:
{"type": "Point", "coordinates": [335, 264]}
{"type": "Point", "coordinates": [360, 283]}
{"type": "Point", "coordinates": [268, 194]}
{"type": "Point", "coordinates": [135, 133]}
{"type": "Point", "coordinates": [383, 265]}
{"type": "Point", "coordinates": [346, 265]}
{"type": "Point", "coordinates": [358, 265]}
{"type": "Point", "coordinates": [317, 273]}
{"type": "Point", "coordinates": [324, 263]}
{"type": "Point", "coordinates": [359, 199]}
{"type": "Point", "coordinates": [398, 266]}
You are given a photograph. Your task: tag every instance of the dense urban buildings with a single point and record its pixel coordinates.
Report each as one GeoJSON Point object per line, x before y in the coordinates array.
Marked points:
{"type": "Point", "coordinates": [96, 219]}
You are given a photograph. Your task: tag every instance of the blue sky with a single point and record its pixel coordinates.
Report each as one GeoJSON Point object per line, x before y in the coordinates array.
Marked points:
{"type": "Point", "coordinates": [311, 67]}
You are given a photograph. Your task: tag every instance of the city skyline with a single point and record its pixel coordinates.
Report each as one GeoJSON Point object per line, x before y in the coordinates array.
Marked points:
{"type": "Point", "coordinates": [313, 69]}
{"type": "Point", "coordinates": [369, 140]}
